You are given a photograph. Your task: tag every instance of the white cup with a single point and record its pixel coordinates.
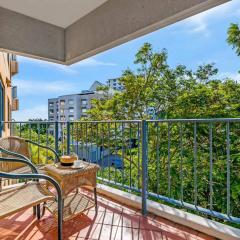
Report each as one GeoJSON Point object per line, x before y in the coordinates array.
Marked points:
{"type": "Point", "coordinates": [77, 163]}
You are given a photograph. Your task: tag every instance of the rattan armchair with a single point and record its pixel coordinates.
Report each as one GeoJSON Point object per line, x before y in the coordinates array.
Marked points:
{"type": "Point", "coordinates": [30, 194]}
{"type": "Point", "coordinates": [20, 148]}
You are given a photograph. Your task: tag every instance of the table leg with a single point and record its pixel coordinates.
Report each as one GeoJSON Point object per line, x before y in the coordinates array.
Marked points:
{"type": "Point", "coordinates": [95, 197]}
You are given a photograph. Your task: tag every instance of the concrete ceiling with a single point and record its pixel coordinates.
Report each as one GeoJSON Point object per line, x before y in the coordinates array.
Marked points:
{"type": "Point", "coordinates": [67, 31]}
{"type": "Point", "coordinates": [61, 13]}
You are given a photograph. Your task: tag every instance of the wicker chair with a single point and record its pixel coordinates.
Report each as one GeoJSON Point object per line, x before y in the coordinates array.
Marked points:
{"type": "Point", "coordinates": [30, 194]}
{"type": "Point", "coordinates": [20, 148]}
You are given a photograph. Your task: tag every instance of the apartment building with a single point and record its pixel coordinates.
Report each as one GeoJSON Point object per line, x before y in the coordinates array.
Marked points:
{"type": "Point", "coordinates": [114, 84]}
{"type": "Point", "coordinates": [73, 106]}
{"type": "Point", "coordinates": [8, 94]}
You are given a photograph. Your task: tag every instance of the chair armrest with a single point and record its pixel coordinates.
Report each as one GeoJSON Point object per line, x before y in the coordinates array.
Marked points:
{"type": "Point", "coordinates": [27, 162]}
{"type": "Point", "coordinates": [14, 154]}
{"type": "Point", "coordinates": [37, 177]}
{"type": "Point", "coordinates": [46, 147]}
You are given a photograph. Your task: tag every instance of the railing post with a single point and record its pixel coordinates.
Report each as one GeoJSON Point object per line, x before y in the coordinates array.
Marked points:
{"type": "Point", "coordinates": [56, 137]}
{"type": "Point", "coordinates": [68, 137]}
{"type": "Point", "coordinates": [144, 166]}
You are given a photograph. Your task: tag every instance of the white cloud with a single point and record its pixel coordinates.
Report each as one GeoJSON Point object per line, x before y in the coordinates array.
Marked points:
{"type": "Point", "coordinates": [200, 22]}
{"type": "Point", "coordinates": [233, 76]}
{"type": "Point", "coordinates": [25, 114]}
{"type": "Point", "coordinates": [37, 87]}
{"type": "Point", "coordinates": [73, 69]}
{"type": "Point", "coordinates": [92, 62]}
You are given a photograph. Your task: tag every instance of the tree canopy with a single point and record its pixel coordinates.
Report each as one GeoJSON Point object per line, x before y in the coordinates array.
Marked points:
{"type": "Point", "coordinates": [173, 91]}
{"type": "Point", "coordinates": [233, 38]}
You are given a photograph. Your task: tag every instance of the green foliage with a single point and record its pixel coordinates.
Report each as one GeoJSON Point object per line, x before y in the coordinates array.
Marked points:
{"type": "Point", "coordinates": [174, 92]}
{"type": "Point", "coordinates": [38, 134]}
{"type": "Point", "coordinates": [233, 38]}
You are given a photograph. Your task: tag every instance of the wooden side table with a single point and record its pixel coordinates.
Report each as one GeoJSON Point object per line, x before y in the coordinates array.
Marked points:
{"type": "Point", "coordinates": [69, 180]}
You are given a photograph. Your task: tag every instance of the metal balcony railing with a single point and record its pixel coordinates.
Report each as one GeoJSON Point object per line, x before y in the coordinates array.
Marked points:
{"type": "Point", "coordinates": [191, 163]}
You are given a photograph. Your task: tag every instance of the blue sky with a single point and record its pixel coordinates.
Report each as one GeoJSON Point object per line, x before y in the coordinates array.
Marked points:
{"type": "Point", "coordinates": [196, 40]}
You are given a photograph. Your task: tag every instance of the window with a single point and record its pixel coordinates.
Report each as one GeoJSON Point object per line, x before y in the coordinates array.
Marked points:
{"type": "Point", "coordinates": [51, 111]}
{"type": "Point", "coordinates": [84, 110]}
{"type": "Point", "coordinates": [84, 101]}
{"type": "Point", "coordinates": [62, 102]}
{"type": "Point", "coordinates": [51, 104]}
{"type": "Point", "coordinates": [62, 111]}
{"type": "Point", "coordinates": [70, 101]}
{"type": "Point", "coordinates": [71, 117]}
{"type": "Point", "coordinates": [71, 110]}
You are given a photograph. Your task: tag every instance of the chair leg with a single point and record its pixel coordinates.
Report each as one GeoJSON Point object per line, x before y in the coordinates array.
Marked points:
{"type": "Point", "coordinates": [60, 218]}
{"type": "Point", "coordinates": [38, 212]}
{"type": "Point", "coordinates": [95, 198]}
{"type": "Point", "coordinates": [44, 209]}
{"type": "Point", "coordinates": [34, 211]}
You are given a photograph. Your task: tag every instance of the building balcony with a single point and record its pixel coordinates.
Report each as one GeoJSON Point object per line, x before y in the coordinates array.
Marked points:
{"type": "Point", "coordinates": [14, 67]}
{"type": "Point", "coordinates": [163, 179]}
{"type": "Point", "coordinates": [15, 104]}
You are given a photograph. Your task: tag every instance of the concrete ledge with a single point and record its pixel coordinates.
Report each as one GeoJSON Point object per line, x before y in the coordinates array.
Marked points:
{"type": "Point", "coordinates": [193, 221]}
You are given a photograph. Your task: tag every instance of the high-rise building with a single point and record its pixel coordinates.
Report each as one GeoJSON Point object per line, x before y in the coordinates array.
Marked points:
{"type": "Point", "coordinates": [73, 106]}
{"type": "Point", "coordinates": [8, 94]}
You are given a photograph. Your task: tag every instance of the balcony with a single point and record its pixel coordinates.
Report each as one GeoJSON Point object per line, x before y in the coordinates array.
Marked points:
{"type": "Point", "coordinates": [15, 104]}
{"type": "Point", "coordinates": [14, 67]}
{"type": "Point", "coordinates": [173, 179]}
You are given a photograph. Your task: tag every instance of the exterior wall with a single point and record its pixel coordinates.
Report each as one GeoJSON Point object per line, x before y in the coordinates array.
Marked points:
{"type": "Point", "coordinates": [5, 79]}
{"type": "Point", "coordinates": [73, 107]}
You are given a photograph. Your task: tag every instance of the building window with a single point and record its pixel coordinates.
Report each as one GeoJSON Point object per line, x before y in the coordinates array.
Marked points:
{"type": "Point", "coordinates": [71, 117]}
{"type": "Point", "coordinates": [62, 102]}
{"type": "Point", "coordinates": [62, 111]}
{"type": "Point", "coordinates": [84, 110]}
{"type": "Point", "coordinates": [51, 104]}
{"type": "Point", "coordinates": [51, 111]}
{"type": "Point", "coordinates": [51, 119]}
{"type": "Point", "coordinates": [71, 110]}
{"type": "Point", "coordinates": [70, 101]}
{"type": "Point", "coordinates": [62, 118]}
{"type": "Point", "coordinates": [84, 101]}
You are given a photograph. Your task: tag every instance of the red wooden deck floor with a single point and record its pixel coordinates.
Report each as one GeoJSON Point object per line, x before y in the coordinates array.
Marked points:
{"type": "Point", "coordinates": [112, 221]}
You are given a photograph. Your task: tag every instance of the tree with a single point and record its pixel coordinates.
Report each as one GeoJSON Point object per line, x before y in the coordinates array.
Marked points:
{"type": "Point", "coordinates": [174, 92]}
{"type": "Point", "coordinates": [233, 38]}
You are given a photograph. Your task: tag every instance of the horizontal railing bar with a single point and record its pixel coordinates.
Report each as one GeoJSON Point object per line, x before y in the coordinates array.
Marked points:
{"type": "Point", "coordinates": [195, 208]}
{"type": "Point", "coordinates": [119, 185]}
{"type": "Point", "coordinates": [107, 121]}
{"type": "Point", "coordinates": [197, 120]}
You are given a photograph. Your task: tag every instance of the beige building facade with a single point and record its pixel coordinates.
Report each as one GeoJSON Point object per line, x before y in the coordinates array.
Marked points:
{"type": "Point", "coordinates": [8, 98]}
